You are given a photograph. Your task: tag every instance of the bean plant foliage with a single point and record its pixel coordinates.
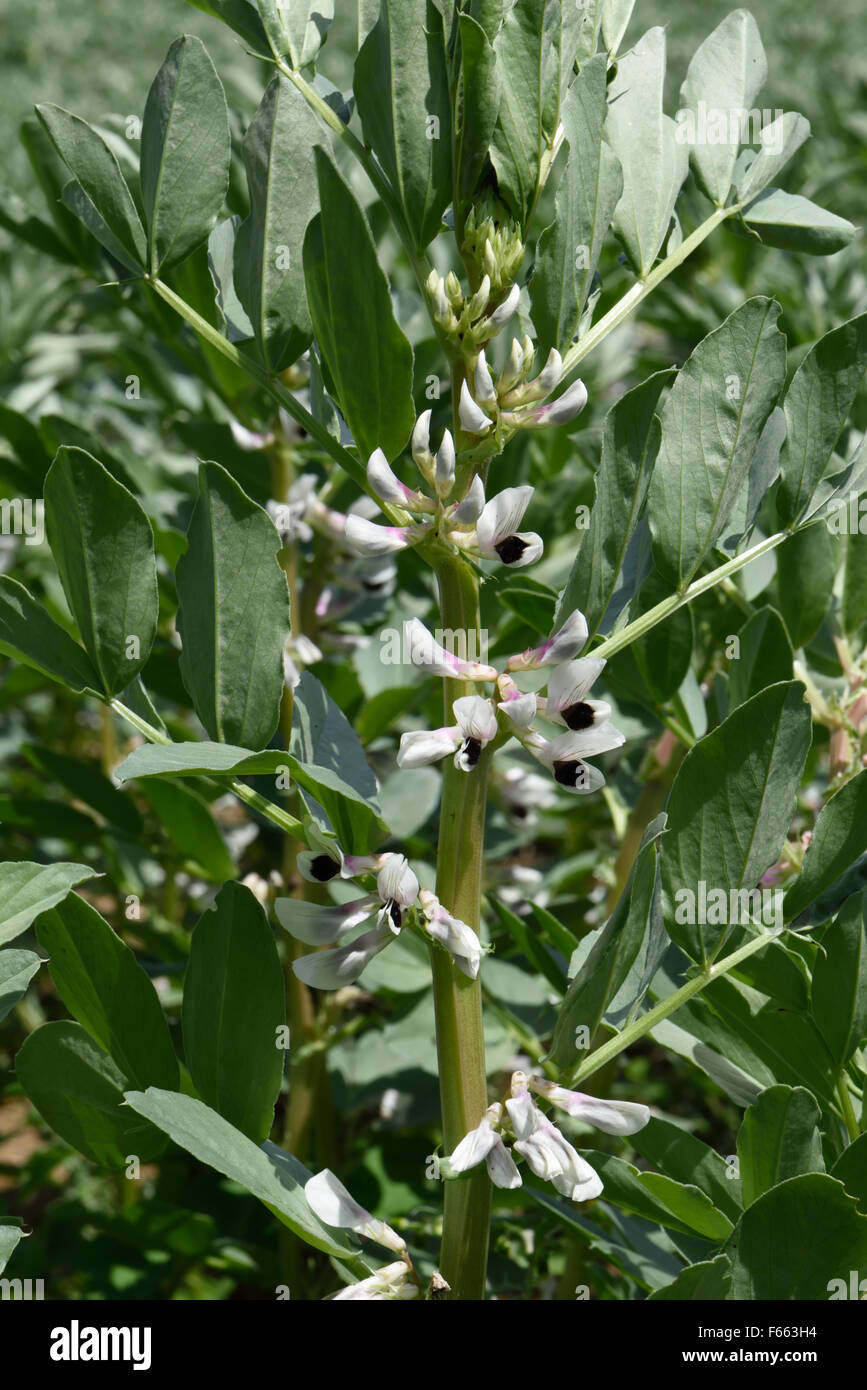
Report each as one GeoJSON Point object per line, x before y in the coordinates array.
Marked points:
{"type": "Point", "coordinates": [434, 827]}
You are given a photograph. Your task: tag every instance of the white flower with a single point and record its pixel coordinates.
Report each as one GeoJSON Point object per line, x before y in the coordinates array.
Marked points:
{"type": "Point", "coordinates": [317, 924]}
{"type": "Point", "coordinates": [473, 419]}
{"type": "Point", "coordinates": [621, 1117]}
{"type": "Point", "coordinates": [497, 534]}
{"type": "Point", "coordinates": [420, 444]}
{"type": "Point", "coordinates": [483, 383]}
{"type": "Point", "coordinates": [500, 317]}
{"type": "Point", "coordinates": [325, 859]}
{"type": "Point", "coordinates": [369, 539]}
{"type": "Point", "coordinates": [565, 755]}
{"type": "Point", "coordinates": [467, 512]}
{"type": "Point", "coordinates": [444, 466]}
{"type": "Point", "coordinates": [559, 412]}
{"type": "Point", "coordinates": [485, 1145]}
{"type": "Point", "coordinates": [551, 1157]}
{"type": "Point", "coordinates": [387, 485]}
{"type": "Point", "coordinates": [566, 701]}
{"type": "Point", "coordinates": [397, 886]}
{"type": "Point", "coordinates": [391, 1282]}
{"type": "Point", "coordinates": [476, 726]}
{"type": "Point", "coordinates": [427, 653]}
{"type": "Point", "coordinates": [331, 1202]}
{"type": "Point", "coordinates": [458, 938]}
{"type": "Point", "coordinates": [566, 643]}
{"type": "Point", "coordinates": [334, 969]}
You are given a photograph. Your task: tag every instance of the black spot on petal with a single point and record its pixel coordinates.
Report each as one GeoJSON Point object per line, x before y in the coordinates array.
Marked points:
{"type": "Point", "coordinates": [511, 549]}
{"type": "Point", "coordinates": [471, 751]}
{"type": "Point", "coordinates": [579, 715]}
{"type": "Point", "coordinates": [571, 774]}
{"type": "Point", "coordinates": [396, 915]}
{"type": "Point", "coordinates": [323, 868]}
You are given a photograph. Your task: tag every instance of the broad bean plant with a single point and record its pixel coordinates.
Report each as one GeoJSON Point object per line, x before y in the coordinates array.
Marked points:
{"type": "Point", "coordinates": [489, 724]}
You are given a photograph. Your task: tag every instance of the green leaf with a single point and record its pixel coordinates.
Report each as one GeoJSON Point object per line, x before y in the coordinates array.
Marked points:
{"type": "Point", "coordinates": [185, 152]}
{"type": "Point", "coordinates": [684, 1157]}
{"type": "Point", "coordinates": [269, 1173]}
{"type": "Point", "coordinates": [233, 318]}
{"type": "Point", "coordinates": [402, 92]}
{"type": "Point", "coordinates": [777, 143]}
{"type": "Point", "coordinates": [730, 809]}
{"type": "Point", "coordinates": [30, 634]}
{"type": "Point", "coordinates": [78, 1091]}
{"type": "Point", "coordinates": [723, 79]}
{"type": "Point", "coordinates": [840, 982]}
{"type": "Point", "coordinates": [103, 545]}
{"type": "Point", "coordinates": [764, 656]}
{"type": "Point", "coordinates": [853, 605]}
{"type": "Point", "coordinates": [324, 740]}
{"type": "Point", "coordinates": [630, 441]}
{"type": "Point", "coordinates": [568, 251]}
{"type": "Point", "coordinates": [27, 889]}
{"type": "Point", "coordinates": [616, 962]}
{"type": "Point", "coordinates": [806, 570]}
{"type": "Point", "coordinates": [234, 1006]}
{"type": "Point", "coordinates": [779, 1139]}
{"type": "Point", "coordinates": [368, 358]}
{"type": "Point", "coordinates": [615, 18]}
{"type": "Point", "coordinates": [233, 613]}
{"type": "Point", "coordinates": [536, 952]}
{"type": "Point", "coordinates": [284, 196]}
{"type": "Point", "coordinates": [100, 197]}
{"type": "Point", "coordinates": [529, 52]}
{"type": "Point", "coordinates": [653, 160]}
{"type": "Point", "coordinates": [788, 1046]}
{"type": "Point", "coordinates": [817, 402]}
{"type": "Point", "coordinates": [239, 15]}
{"type": "Point", "coordinates": [796, 1239]}
{"type": "Point", "coordinates": [839, 838]}
{"type": "Point", "coordinates": [477, 106]}
{"type": "Point", "coordinates": [186, 818]}
{"type": "Point", "coordinates": [17, 969]}
{"type": "Point", "coordinates": [793, 223]}
{"type": "Point", "coordinates": [102, 984]}
{"type": "Point", "coordinates": [708, 1281]}
{"type": "Point", "coordinates": [296, 29]}
{"type": "Point", "coordinates": [680, 1206]}
{"type": "Point", "coordinates": [716, 411]}
{"type": "Point", "coordinates": [663, 656]}
{"type": "Point", "coordinates": [10, 1234]}
{"type": "Point", "coordinates": [851, 1170]}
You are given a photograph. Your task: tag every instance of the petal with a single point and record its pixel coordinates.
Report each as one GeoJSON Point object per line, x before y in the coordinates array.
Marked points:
{"type": "Point", "coordinates": [502, 1169]}
{"type": "Point", "coordinates": [444, 478]}
{"type": "Point", "coordinates": [483, 382]}
{"type": "Point", "coordinates": [586, 743]}
{"type": "Point", "coordinates": [473, 419]}
{"type": "Point", "coordinates": [423, 746]}
{"type": "Point", "coordinates": [384, 480]}
{"type": "Point", "coordinates": [566, 643]}
{"type": "Point", "coordinates": [524, 1115]}
{"type": "Point", "coordinates": [457, 937]}
{"type": "Point", "coordinates": [569, 683]}
{"type": "Point", "coordinates": [468, 512]}
{"type": "Point", "coordinates": [421, 441]}
{"type": "Point", "coordinates": [369, 539]}
{"type": "Point", "coordinates": [318, 925]}
{"type": "Point", "coordinates": [502, 516]}
{"type": "Point", "coordinates": [424, 651]}
{"type": "Point", "coordinates": [561, 411]}
{"type": "Point", "coordinates": [476, 717]}
{"type": "Point", "coordinates": [396, 882]}
{"type": "Point", "coordinates": [334, 969]}
{"type": "Point", "coordinates": [573, 775]}
{"type": "Point", "coordinates": [474, 1147]}
{"type": "Point", "coordinates": [501, 316]}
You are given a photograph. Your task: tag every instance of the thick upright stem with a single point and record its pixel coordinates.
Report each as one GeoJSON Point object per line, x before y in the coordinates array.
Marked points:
{"type": "Point", "coordinates": [458, 1000]}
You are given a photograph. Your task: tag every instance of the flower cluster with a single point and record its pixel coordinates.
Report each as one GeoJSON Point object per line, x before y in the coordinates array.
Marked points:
{"type": "Point", "coordinates": [397, 896]}
{"type": "Point", "coordinates": [534, 1138]}
{"type": "Point", "coordinates": [589, 730]}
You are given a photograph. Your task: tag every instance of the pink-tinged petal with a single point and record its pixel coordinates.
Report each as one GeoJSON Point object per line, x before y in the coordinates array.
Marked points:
{"type": "Point", "coordinates": [318, 925]}
{"type": "Point", "coordinates": [369, 539]}
{"type": "Point", "coordinates": [566, 643]}
{"type": "Point", "coordinates": [334, 969]}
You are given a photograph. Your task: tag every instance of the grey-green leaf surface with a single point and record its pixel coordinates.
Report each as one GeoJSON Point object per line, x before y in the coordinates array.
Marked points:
{"type": "Point", "coordinates": [839, 993]}
{"type": "Point", "coordinates": [568, 251]}
{"type": "Point", "coordinates": [185, 152]}
{"type": "Point", "coordinates": [284, 196]}
{"type": "Point", "coordinates": [367, 356]}
{"type": "Point", "coordinates": [26, 890]}
{"type": "Point", "coordinates": [79, 1090]}
{"type": "Point", "coordinates": [779, 1138]}
{"type": "Point", "coordinates": [778, 141]}
{"type": "Point", "coordinates": [528, 48]}
{"type": "Point", "coordinates": [478, 105]}
{"type": "Point", "coordinates": [296, 29]}
{"type": "Point", "coordinates": [630, 441]}
{"type": "Point", "coordinates": [103, 546]}
{"type": "Point", "coordinates": [402, 92]}
{"type": "Point", "coordinates": [817, 403]}
{"type": "Point", "coordinates": [712, 421]}
{"type": "Point", "coordinates": [839, 839]}
{"type": "Point", "coordinates": [102, 198]}
{"type": "Point", "coordinates": [764, 656]}
{"type": "Point", "coordinates": [708, 1281]}
{"type": "Point", "coordinates": [794, 223]}
{"type": "Point", "coordinates": [795, 1239]}
{"type": "Point", "coordinates": [271, 1174]}
{"type": "Point", "coordinates": [730, 807]}
{"type": "Point", "coordinates": [30, 634]}
{"type": "Point", "coordinates": [102, 984]}
{"type": "Point", "coordinates": [17, 969]}
{"type": "Point", "coordinates": [10, 1235]}
{"type": "Point", "coordinates": [234, 1006]}
{"type": "Point", "coordinates": [723, 80]}
{"type": "Point", "coordinates": [233, 613]}
{"type": "Point", "coordinates": [654, 161]}
{"type": "Point", "coordinates": [239, 15]}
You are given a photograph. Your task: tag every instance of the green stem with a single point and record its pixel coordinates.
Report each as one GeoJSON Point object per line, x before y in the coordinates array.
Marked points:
{"type": "Point", "coordinates": [618, 640]}
{"type": "Point", "coordinates": [850, 1119]}
{"type": "Point", "coordinates": [667, 1006]}
{"type": "Point", "coordinates": [457, 999]}
{"type": "Point", "coordinates": [642, 288]}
